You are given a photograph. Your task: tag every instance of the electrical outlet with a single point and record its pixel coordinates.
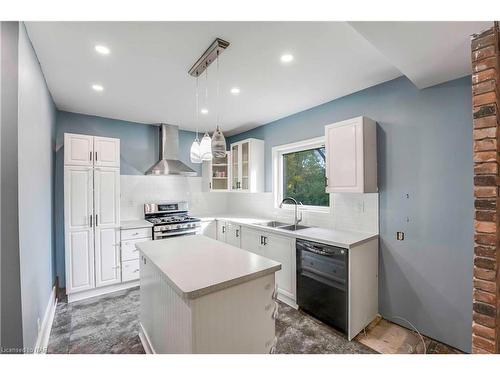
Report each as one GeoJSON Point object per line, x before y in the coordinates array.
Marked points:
{"type": "Point", "coordinates": [400, 236]}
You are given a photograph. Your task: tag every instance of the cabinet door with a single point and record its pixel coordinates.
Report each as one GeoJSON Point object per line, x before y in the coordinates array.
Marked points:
{"type": "Point", "coordinates": [245, 167]}
{"type": "Point", "coordinates": [106, 152]}
{"type": "Point", "coordinates": [78, 228]}
{"type": "Point", "coordinates": [344, 149]}
{"type": "Point", "coordinates": [221, 230]}
{"type": "Point", "coordinates": [107, 254]}
{"type": "Point", "coordinates": [107, 197]}
{"type": "Point", "coordinates": [233, 234]}
{"type": "Point", "coordinates": [282, 249]}
{"type": "Point", "coordinates": [235, 167]}
{"type": "Point", "coordinates": [78, 149]}
{"type": "Point", "coordinates": [251, 240]}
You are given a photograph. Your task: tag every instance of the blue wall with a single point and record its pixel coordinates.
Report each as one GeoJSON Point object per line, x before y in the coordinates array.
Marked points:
{"type": "Point", "coordinates": [138, 152]}
{"type": "Point", "coordinates": [425, 150]}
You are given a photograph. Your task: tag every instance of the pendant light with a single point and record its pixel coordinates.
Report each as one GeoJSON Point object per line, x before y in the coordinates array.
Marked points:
{"type": "Point", "coordinates": [206, 142]}
{"type": "Point", "coordinates": [218, 139]}
{"type": "Point", "coordinates": [195, 153]}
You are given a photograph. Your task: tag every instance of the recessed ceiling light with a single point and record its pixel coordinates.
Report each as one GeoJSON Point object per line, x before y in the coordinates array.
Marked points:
{"type": "Point", "coordinates": [97, 87]}
{"type": "Point", "coordinates": [103, 50]}
{"type": "Point", "coordinates": [204, 111]}
{"type": "Point", "coordinates": [286, 58]}
{"type": "Point", "coordinates": [235, 90]}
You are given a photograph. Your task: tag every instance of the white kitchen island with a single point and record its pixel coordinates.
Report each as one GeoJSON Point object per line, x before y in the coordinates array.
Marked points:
{"type": "Point", "coordinates": [199, 295]}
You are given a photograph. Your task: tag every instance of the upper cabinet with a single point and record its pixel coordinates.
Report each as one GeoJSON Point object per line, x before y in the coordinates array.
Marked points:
{"type": "Point", "coordinates": [87, 150]}
{"type": "Point", "coordinates": [351, 156]}
{"type": "Point", "coordinates": [215, 174]}
{"type": "Point", "coordinates": [247, 166]}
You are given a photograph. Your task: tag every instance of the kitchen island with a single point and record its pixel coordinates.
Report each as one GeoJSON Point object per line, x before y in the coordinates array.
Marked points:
{"type": "Point", "coordinates": [199, 295]}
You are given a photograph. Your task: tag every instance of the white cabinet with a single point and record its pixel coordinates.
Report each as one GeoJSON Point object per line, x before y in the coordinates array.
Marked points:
{"type": "Point", "coordinates": [280, 249]}
{"type": "Point", "coordinates": [107, 256]}
{"type": "Point", "coordinates": [80, 149]}
{"type": "Point", "coordinates": [79, 228]}
{"type": "Point", "coordinates": [351, 156]}
{"type": "Point", "coordinates": [106, 152]}
{"type": "Point", "coordinates": [233, 234]}
{"type": "Point", "coordinates": [216, 174]}
{"type": "Point", "coordinates": [247, 166]}
{"type": "Point", "coordinates": [91, 213]}
{"type": "Point", "coordinates": [130, 253]}
{"type": "Point", "coordinates": [228, 232]}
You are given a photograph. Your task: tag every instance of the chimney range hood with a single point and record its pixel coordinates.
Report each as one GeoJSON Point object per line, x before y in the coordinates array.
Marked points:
{"type": "Point", "coordinates": [169, 164]}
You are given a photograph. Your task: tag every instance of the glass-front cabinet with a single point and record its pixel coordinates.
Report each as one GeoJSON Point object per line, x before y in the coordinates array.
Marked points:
{"type": "Point", "coordinates": [247, 166]}
{"type": "Point", "coordinates": [216, 173]}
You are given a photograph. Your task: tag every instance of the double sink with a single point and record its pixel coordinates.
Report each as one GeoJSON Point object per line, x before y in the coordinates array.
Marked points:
{"type": "Point", "coordinates": [280, 225]}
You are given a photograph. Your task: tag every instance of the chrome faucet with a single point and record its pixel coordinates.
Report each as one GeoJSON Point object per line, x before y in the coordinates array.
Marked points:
{"type": "Point", "coordinates": [294, 201]}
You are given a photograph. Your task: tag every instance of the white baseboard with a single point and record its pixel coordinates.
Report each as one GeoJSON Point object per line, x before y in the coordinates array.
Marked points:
{"type": "Point", "coordinates": [146, 343]}
{"type": "Point", "coordinates": [42, 340]}
{"type": "Point", "coordinates": [101, 291]}
{"type": "Point", "coordinates": [289, 301]}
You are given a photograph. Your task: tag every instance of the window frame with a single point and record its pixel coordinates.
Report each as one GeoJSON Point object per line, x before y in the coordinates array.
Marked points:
{"type": "Point", "coordinates": [277, 172]}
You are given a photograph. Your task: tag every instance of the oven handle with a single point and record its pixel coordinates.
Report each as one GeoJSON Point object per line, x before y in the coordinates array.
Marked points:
{"type": "Point", "coordinates": [159, 235]}
{"type": "Point", "coordinates": [313, 249]}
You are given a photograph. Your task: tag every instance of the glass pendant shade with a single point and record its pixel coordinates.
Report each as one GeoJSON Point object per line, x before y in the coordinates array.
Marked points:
{"type": "Point", "coordinates": [195, 154]}
{"type": "Point", "coordinates": [206, 148]}
{"type": "Point", "coordinates": [218, 144]}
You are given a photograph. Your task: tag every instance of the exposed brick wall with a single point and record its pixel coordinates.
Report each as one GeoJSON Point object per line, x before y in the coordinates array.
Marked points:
{"type": "Point", "coordinates": [485, 97]}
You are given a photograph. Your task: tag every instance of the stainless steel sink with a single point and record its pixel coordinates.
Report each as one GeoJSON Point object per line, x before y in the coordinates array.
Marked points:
{"type": "Point", "coordinates": [273, 224]}
{"type": "Point", "coordinates": [294, 227]}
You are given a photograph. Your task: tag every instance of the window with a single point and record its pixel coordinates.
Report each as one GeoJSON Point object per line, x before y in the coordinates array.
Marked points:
{"type": "Point", "coordinates": [299, 172]}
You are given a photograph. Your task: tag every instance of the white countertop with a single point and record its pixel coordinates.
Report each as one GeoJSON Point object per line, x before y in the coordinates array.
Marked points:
{"type": "Point", "coordinates": [334, 237]}
{"type": "Point", "coordinates": [198, 265]}
{"type": "Point", "coordinates": [132, 224]}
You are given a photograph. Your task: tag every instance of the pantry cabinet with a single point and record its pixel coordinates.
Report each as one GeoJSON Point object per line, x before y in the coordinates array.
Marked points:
{"type": "Point", "coordinates": [351, 156]}
{"type": "Point", "coordinates": [247, 166]}
{"type": "Point", "coordinates": [91, 212]}
{"type": "Point", "coordinates": [278, 248]}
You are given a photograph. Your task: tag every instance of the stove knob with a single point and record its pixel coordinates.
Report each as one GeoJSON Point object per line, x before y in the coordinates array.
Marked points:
{"type": "Point", "coordinates": [179, 226]}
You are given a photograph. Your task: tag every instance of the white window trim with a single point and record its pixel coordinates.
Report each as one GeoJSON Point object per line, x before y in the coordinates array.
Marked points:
{"type": "Point", "coordinates": [277, 170]}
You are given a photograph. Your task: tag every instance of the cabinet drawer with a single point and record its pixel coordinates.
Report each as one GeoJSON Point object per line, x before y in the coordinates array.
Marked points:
{"type": "Point", "coordinates": [129, 248]}
{"type": "Point", "coordinates": [130, 234]}
{"type": "Point", "coordinates": [130, 270]}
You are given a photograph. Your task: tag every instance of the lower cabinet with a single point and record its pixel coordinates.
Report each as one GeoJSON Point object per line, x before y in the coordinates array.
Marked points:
{"type": "Point", "coordinates": [107, 256]}
{"type": "Point", "coordinates": [130, 253]}
{"type": "Point", "coordinates": [209, 229]}
{"type": "Point", "coordinates": [229, 232]}
{"type": "Point", "coordinates": [278, 248]}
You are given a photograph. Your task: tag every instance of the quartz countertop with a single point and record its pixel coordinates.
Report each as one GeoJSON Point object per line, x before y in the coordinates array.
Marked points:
{"type": "Point", "coordinates": [199, 265]}
{"type": "Point", "coordinates": [132, 224]}
{"type": "Point", "coordinates": [334, 237]}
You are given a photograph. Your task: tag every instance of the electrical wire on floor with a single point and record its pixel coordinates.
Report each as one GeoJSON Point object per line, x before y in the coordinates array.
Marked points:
{"type": "Point", "coordinates": [414, 329]}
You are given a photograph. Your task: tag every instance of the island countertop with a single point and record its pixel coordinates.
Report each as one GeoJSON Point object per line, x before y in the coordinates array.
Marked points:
{"type": "Point", "coordinates": [199, 265]}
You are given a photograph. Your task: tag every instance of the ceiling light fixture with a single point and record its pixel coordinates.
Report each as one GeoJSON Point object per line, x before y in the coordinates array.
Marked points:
{"type": "Point", "coordinates": [206, 141]}
{"type": "Point", "coordinates": [218, 139]}
{"type": "Point", "coordinates": [195, 153]}
{"type": "Point", "coordinates": [103, 50]}
{"type": "Point", "coordinates": [97, 87]}
{"type": "Point", "coordinates": [235, 90]}
{"type": "Point", "coordinates": [204, 111]}
{"type": "Point", "coordinates": [286, 58]}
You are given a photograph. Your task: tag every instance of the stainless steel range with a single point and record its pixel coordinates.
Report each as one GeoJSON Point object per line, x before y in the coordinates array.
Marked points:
{"type": "Point", "coordinates": [170, 219]}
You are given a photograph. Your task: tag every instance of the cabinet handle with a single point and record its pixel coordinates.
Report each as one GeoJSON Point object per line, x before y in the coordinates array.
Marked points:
{"type": "Point", "coordinates": [136, 270]}
{"type": "Point", "coordinates": [96, 216]}
{"type": "Point", "coordinates": [90, 157]}
{"type": "Point", "coordinates": [223, 229]}
{"type": "Point", "coordinates": [90, 220]}
{"type": "Point", "coordinates": [265, 241]}
{"type": "Point", "coordinates": [262, 240]}
{"type": "Point", "coordinates": [237, 232]}
{"type": "Point", "coordinates": [209, 185]}
{"type": "Point", "coordinates": [96, 156]}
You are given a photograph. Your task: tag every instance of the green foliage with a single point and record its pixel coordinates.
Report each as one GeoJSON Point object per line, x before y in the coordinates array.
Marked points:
{"type": "Point", "coordinates": [304, 177]}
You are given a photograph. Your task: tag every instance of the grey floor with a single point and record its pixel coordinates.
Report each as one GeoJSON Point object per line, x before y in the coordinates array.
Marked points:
{"type": "Point", "coordinates": [110, 324]}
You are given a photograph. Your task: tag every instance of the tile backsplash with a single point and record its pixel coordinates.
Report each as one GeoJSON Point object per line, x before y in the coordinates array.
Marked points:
{"type": "Point", "coordinates": [358, 212]}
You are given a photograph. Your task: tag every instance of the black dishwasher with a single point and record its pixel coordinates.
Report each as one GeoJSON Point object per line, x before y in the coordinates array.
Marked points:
{"type": "Point", "coordinates": [322, 282]}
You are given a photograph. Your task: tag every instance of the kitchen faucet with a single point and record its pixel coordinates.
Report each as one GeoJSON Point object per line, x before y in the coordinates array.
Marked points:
{"type": "Point", "coordinates": [294, 201]}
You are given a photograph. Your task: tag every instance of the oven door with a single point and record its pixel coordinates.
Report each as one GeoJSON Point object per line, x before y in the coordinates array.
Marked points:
{"type": "Point", "coordinates": [173, 233]}
{"type": "Point", "coordinates": [322, 282]}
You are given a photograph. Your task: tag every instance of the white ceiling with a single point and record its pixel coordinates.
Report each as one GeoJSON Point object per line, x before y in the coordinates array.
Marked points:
{"type": "Point", "coordinates": [145, 76]}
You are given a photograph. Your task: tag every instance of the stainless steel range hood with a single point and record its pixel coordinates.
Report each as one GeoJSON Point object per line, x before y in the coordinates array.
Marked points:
{"type": "Point", "coordinates": [169, 164]}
